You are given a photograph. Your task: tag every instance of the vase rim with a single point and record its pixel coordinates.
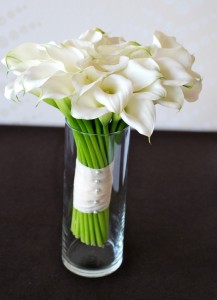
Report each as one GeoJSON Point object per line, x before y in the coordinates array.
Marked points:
{"type": "Point", "coordinates": [96, 134]}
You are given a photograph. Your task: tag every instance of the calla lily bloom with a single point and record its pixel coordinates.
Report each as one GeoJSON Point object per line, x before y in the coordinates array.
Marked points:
{"type": "Point", "coordinates": [176, 65]}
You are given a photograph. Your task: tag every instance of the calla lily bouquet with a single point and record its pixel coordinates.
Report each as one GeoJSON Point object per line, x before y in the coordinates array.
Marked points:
{"type": "Point", "coordinates": [103, 84]}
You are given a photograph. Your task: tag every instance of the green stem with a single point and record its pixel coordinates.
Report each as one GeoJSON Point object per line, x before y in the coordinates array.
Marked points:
{"type": "Point", "coordinates": [90, 145]}
{"type": "Point", "coordinates": [121, 125]}
{"type": "Point", "coordinates": [91, 227]}
{"type": "Point", "coordinates": [102, 224]}
{"type": "Point", "coordinates": [100, 141]}
{"type": "Point", "coordinates": [97, 230]}
{"type": "Point", "coordinates": [106, 141]}
{"type": "Point", "coordinates": [114, 123]}
{"type": "Point", "coordinates": [77, 225]}
{"type": "Point", "coordinates": [86, 229]}
{"type": "Point", "coordinates": [94, 142]}
{"type": "Point", "coordinates": [82, 234]}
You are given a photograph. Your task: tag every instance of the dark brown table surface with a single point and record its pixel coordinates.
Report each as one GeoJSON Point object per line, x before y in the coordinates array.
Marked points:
{"type": "Point", "coordinates": [171, 225]}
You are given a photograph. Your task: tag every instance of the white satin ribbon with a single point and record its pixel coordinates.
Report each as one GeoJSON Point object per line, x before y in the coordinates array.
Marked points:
{"type": "Point", "coordinates": [92, 188]}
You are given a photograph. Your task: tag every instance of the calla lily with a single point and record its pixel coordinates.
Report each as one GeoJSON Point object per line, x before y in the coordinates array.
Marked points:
{"type": "Point", "coordinates": [174, 98]}
{"type": "Point", "coordinates": [86, 79]}
{"type": "Point", "coordinates": [36, 76]}
{"type": "Point", "coordinates": [111, 93]}
{"type": "Point", "coordinates": [87, 48]}
{"type": "Point", "coordinates": [115, 49]}
{"type": "Point", "coordinates": [93, 35]}
{"type": "Point", "coordinates": [140, 113]}
{"type": "Point", "coordinates": [168, 96]}
{"type": "Point", "coordinates": [25, 56]}
{"type": "Point", "coordinates": [156, 90]}
{"type": "Point", "coordinates": [115, 67]}
{"type": "Point", "coordinates": [13, 89]}
{"type": "Point", "coordinates": [109, 64]}
{"type": "Point", "coordinates": [129, 49]}
{"type": "Point", "coordinates": [69, 57]}
{"type": "Point", "coordinates": [174, 73]}
{"type": "Point", "coordinates": [114, 92]}
{"type": "Point", "coordinates": [98, 37]}
{"type": "Point", "coordinates": [87, 107]}
{"type": "Point", "coordinates": [57, 87]}
{"type": "Point", "coordinates": [175, 64]}
{"type": "Point", "coordinates": [141, 72]}
{"type": "Point", "coordinates": [166, 46]}
{"type": "Point", "coordinates": [191, 93]}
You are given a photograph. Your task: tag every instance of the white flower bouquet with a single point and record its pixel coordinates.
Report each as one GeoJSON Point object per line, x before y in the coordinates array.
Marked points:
{"type": "Point", "coordinates": [103, 84]}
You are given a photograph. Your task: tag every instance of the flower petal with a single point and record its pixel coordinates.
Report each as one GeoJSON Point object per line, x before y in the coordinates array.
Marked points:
{"type": "Point", "coordinates": [166, 46]}
{"type": "Point", "coordinates": [192, 93]}
{"type": "Point", "coordinates": [156, 89]}
{"type": "Point", "coordinates": [123, 61]}
{"type": "Point", "coordinates": [114, 93]}
{"type": "Point", "coordinates": [86, 79]}
{"type": "Point", "coordinates": [173, 99]}
{"type": "Point", "coordinates": [140, 114]}
{"type": "Point", "coordinates": [36, 76]}
{"type": "Point", "coordinates": [86, 107]}
{"type": "Point", "coordinates": [161, 40]}
{"type": "Point", "coordinates": [113, 48]}
{"type": "Point", "coordinates": [13, 89]}
{"type": "Point", "coordinates": [92, 35]}
{"type": "Point", "coordinates": [173, 72]}
{"type": "Point", "coordinates": [57, 87]}
{"type": "Point", "coordinates": [141, 72]}
{"type": "Point", "coordinates": [69, 57]}
{"type": "Point", "coordinates": [24, 56]}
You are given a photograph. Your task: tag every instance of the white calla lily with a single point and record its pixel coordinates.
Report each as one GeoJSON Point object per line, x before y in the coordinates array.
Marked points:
{"type": "Point", "coordinates": [25, 56]}
{"type": "Point", "coordinates": [174, 73]}
{"type": "Point", "coordinates": [114, 92]}
{"type": "Point", "coordinates": [156, 90]}
{"type": "Point", "coordinates": [166, 46]}
{"type": "Point", "coordinates": [69, 57]}
{"type": "Point", "coordinates": [161, 40]}
{"type": "Point", "coordinates": [175, 64]}
{"type": "Point", "coordinates": [36, 76]}
{"type": "Point", "coordinates": [111, 94]}
{"type": "Point", "coordinates": [13, 89]}
{"type": "Point", "coordinates": [174, 98]}
{"type": "Point", "coordinates": [178, 54]}
{"type": "Point", "coordinates": [168, 96]}
{"type": "Point", "coordinates": [191, 93]}
{"type": "Point", "coordinates": [100, 38]}
{"type": "Point", "coordinates": [140, 113]}
{"type": "Point", "coordinates": [141, 72]}
{"type": "Point", "coordinates": [87, 107]}
{"type": "Point", "coordinates": [92, 35]}
{"type": "Point", "coordinates": [85, 80]}
{"type": "Point", "coordinates": [116, 48]}
{"type": "Point", "coordinates": [115, 67]}
{"type": "Point", "coordinates": [128, 49]}
{"type": "Point", "coordinates": [57, 87]}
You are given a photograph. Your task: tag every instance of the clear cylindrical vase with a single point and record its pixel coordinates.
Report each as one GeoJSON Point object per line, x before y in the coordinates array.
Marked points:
{"type": "Point", "coordinates": [95, 184]}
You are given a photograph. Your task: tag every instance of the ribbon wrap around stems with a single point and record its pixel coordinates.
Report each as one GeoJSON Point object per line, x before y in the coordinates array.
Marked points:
{"type": "Point", "coordinates": [92, 188]}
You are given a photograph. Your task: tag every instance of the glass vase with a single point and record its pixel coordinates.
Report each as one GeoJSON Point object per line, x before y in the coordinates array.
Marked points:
{"type": "Point", "coordinates": [94, 201]}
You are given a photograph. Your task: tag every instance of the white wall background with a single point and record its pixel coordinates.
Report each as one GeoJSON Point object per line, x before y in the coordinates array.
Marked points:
{"type": "Point", "coordinates": [193, 22]}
